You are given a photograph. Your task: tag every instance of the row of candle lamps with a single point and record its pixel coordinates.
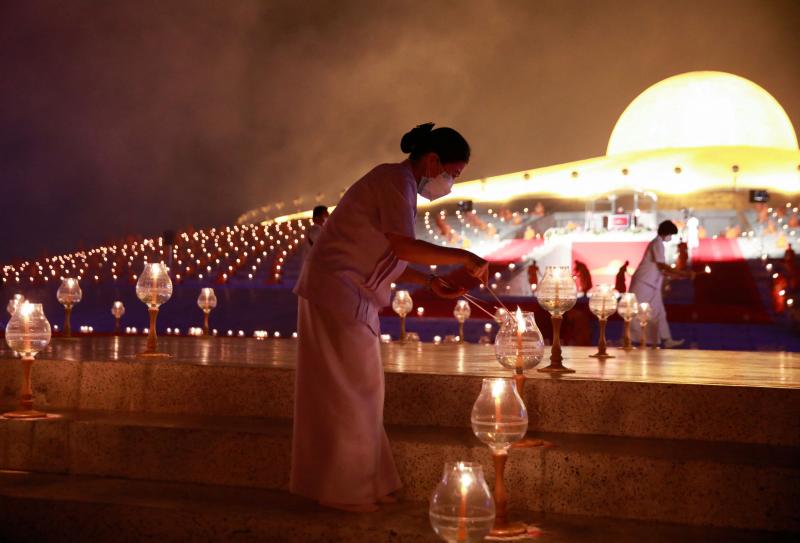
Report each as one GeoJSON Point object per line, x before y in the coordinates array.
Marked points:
{"type": "Point", "coordinates": [28, 331]}
{"type": "Point", "coordinates": [557, 294]}
{"type": "Point", "coordinates": [462, 508]}
{"type": "Point", "coordinates": [154, 288]}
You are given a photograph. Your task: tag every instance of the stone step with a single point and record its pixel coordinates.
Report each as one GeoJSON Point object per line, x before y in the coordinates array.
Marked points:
{"type": "Point", "coordinates": [683, 481]}
{"type": "Point", "coordinates": [743, 414]}
{"type": "Point", "coordinates": [66, 509]}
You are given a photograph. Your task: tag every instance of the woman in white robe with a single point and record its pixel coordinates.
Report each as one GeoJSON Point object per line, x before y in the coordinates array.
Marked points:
{"type": "Point", "coordinates": [340, 452]}
{"type": "Point", "coordinates": [647, 282]}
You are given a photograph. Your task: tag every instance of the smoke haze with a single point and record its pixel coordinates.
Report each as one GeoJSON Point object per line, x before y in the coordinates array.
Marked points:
{"type": "Point", "coordinates": [121, 117]}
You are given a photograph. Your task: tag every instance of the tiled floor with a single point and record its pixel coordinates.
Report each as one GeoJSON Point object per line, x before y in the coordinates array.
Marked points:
{"type": "Point", "coordinates": [686, 366]}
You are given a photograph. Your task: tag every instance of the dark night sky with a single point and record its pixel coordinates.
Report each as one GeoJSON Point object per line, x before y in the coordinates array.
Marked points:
{"type": "Point", "coordinates": [131, 116]}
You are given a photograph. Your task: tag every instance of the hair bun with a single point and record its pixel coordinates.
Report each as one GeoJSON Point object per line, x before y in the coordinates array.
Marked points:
{"type": "Point", "coordinates": [413, 138]}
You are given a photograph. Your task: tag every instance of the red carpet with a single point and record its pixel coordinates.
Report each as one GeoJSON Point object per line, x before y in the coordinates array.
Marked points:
{"type": "Point", "coordinates": [717, 250]}
{"type": "Point", "coordinates": [604, 258]}
{"type": "Point", "coordinates": [729, 293]}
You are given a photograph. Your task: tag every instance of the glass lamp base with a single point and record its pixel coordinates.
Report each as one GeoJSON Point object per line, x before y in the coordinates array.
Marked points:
{"type": "Point", "coordinates": [530, 443]}
{"type": "Point", "coordinates": [510, 529]}
{"type": "Point", "coordinates": [153, 354]}
{"type": "Point", "coordinates": [555, 369]}
{"type": "Point", "coordinates": [25, 414]}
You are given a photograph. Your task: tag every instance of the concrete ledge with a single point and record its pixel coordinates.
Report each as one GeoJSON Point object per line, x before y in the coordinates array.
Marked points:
{"type": "Point", "coordinates": [682, 481]}
{"type": "Point", "coordinates": [638, 409]}
{"type": "Point", "coordinates": [68, 509]}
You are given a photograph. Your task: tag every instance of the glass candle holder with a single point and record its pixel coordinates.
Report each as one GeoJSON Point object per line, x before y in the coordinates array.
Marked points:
{"type": "Point", "coordinates": [500, 315]}
{"type": "Point", "coordinates": [206, 302]}
{"type": "Point", "coordinates": [557, 294]}
{"type": "Point", "coordinates": [117, 310]}
{"type": "Point", "coordinates": [154, 288]}
{"type": "Point", "coordinates": [499, 419]}
{"type": "Point", "coordinates": [27, 333]}
{"type": "Point", "coordinates": [645, 311]}
{"type": "Point", "coordinates": [627, 308]}
{"type": "Point", "coordinates": [68, 294]}
{"type": "Point", "coordinates": [402, 305]}
{"type": "Point", "coordinates": [14, 303]}
{"type": "Point", "coordinates": [603, 303]}
{"type": "Point", "coordinates": [519, 345]}
{"type": "Point", "coordinates": [461, 312]}
{"type": "Point", "coordinates": [462, 508]}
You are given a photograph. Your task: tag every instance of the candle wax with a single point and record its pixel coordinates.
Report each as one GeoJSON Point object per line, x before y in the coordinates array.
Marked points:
{"type": "Point", "coordinates": [462, 515]}
{"type": "Point", "coordinates": [26, 335]}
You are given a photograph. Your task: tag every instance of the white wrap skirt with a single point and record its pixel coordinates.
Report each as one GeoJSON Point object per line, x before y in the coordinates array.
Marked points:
{"type": "Point", "coordinates": [340, 452]}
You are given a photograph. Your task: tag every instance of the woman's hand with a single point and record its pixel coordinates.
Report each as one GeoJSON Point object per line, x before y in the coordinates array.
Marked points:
{"type": "Point", "coordinates": [443, 289]}
{"type": "Point", "coordinates": [477, 268]}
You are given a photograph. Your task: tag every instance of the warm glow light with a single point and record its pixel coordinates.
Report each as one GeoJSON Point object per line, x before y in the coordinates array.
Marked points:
{"type": "Point", "coordinates": [520, 321]}
{"type": "Point", "coordinates": [498, 386]}
{"type": "Point", "coordinates": [25, 309]}
{"type": "Point", "coordinates": [699, 131]}
{"type": "Point", "coordinates": [466, 482]}
{"type": "Point", "coordinates": [702, 109]}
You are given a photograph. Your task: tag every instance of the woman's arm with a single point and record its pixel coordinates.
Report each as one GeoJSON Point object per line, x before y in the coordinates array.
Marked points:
{"type": "Point", "coordinates": [677, 274]}
{"type": "Point", "coordinates": [410, 275]}
{"type": "Point", "coordinates": [436, 284]}
{"type": "Point", "coordinates": [422, 252]}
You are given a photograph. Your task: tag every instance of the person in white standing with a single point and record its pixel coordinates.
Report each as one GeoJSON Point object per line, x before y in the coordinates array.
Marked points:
{"type": "Point", "coordinates": [646, 284]}
{"type": "Point", "coordinates": [318, 217]}
{"type": "Point", "coordinates": [693, 233]}
{"type": "Point", "coordinates": [340, 453]}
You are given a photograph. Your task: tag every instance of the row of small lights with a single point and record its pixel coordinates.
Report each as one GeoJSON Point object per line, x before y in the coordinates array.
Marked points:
{"type": "Point", "coordinates": [463, 220]}
{"type": "Point", "coordinates": [197, 331]}
{"type": "Point", "coordinates": [768, 266]}
{"type": "Point", "coordinates": [79, 263]}
{"type": "Point", "coordinates": [780, 219]}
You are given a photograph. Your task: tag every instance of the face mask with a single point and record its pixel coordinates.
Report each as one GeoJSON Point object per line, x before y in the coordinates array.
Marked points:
{"type": "Point", "coordinates": [436, 187]}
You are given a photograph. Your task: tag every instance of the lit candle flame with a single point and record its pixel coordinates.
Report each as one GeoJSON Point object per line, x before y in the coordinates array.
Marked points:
{"type": "Point", "coordinates": [520, 322]}
{"type": "Point", "coordinates": [466, 482]}
{"type": "Point", "coordinates": [498, 387]}
{"type": "Point", "coordinates": [25, 309]}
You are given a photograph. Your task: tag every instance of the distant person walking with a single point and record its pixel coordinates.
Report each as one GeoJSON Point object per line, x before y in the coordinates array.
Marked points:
{"type": "Point", "coordinates": [620, 279]}
{"type": "Point", "coordinates": [646, 284]}
{"type": "Point", "coordinates": [533, 274]}
{"type": "Point", "coordinates": [583, 277]}
{"type": "Point", "coordinates": [790, 261]}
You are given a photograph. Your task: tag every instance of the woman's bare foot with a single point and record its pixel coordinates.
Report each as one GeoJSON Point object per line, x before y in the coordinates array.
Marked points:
{"type": "Point", "coordinates": [352, 507]}
{"type": "Point", "coordinates": [387, 499]}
